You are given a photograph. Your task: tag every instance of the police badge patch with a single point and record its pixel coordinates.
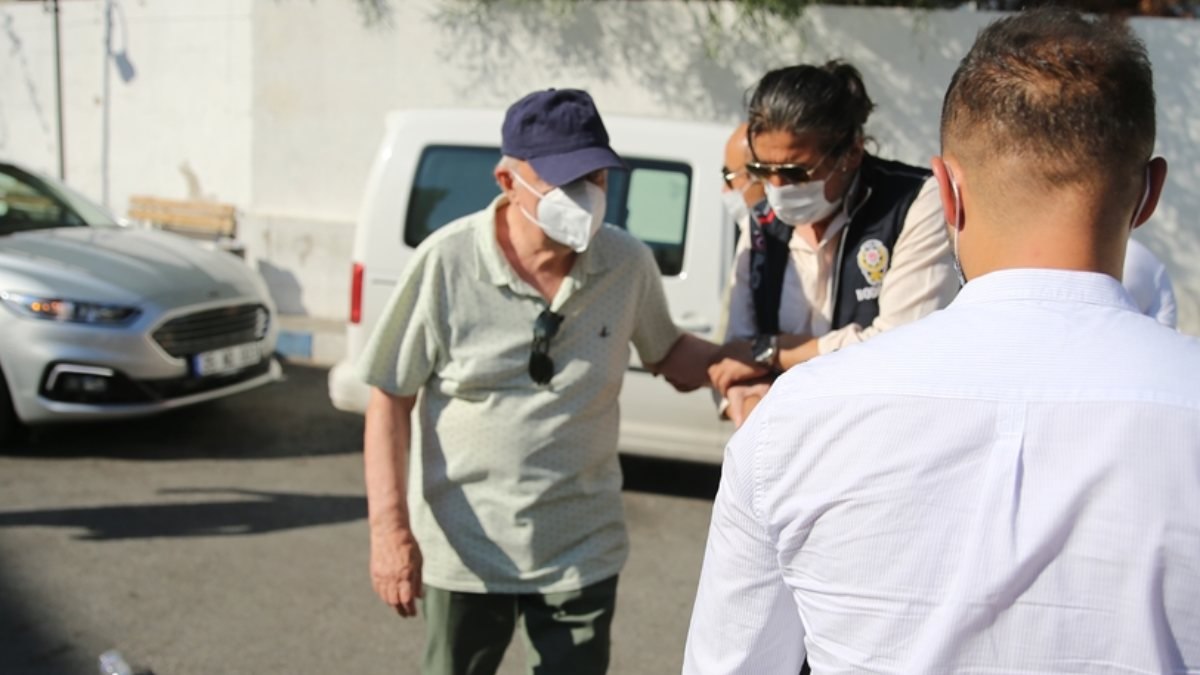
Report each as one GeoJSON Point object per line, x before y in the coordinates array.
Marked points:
{"type": "Point", "coordinates": [873, 259]}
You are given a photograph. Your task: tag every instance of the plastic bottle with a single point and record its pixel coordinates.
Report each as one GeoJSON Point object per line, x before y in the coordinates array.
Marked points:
{"type": "Point", "coordinates": [112, 663]}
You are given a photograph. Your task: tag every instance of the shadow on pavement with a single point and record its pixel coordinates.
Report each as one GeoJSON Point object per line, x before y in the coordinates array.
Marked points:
{"type": "Point", "coordinates": [253, 512]}
{"type": "Point", "coordinates": [289, 418]}
{"type": "Point", "coordinates": [671, 478]}
{"type": "Point", "coordinates": [26, 649]}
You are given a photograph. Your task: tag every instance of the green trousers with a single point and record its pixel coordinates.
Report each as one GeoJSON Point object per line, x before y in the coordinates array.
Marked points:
{"type": "Point", "coordinates": [565, 633]}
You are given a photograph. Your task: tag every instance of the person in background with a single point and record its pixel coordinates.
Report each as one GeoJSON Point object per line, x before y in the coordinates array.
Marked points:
{"type": "Point", "coordinates": [741, 193]}
{"type": "Point", "coordinates": [1146, 279]}
{"type": "Point", "coordinates": [1011, 484]}
{"type": "Point", "coordinates": [507, 339]}
{"type": "Point", "coordinates": [846, 245]}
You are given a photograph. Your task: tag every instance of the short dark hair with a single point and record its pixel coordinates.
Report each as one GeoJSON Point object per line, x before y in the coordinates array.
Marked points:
{"type": "Point", "coordinates": [829, 100]}
{"type": "Point", "coordinates": [1049, 84]}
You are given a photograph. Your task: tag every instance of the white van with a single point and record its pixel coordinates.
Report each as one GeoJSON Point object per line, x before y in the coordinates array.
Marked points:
{"type": "Point", "coordinates": [436, 165]}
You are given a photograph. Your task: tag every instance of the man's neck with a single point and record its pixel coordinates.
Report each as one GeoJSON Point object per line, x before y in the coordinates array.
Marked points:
{"type": "Point", "coordinates": [538, 261]}
{"type": "Point", "coordinates": [1080, 244]}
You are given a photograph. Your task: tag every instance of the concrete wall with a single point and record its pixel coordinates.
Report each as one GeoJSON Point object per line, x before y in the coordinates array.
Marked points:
{"type": "Point", "coordinates": [278, 105]}
{"type": "Point", "coordinates": [155, 100]}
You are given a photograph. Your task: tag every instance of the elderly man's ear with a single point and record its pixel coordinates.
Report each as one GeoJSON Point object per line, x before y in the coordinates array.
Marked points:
{"type": "Point", "coordinates": [504, 179]}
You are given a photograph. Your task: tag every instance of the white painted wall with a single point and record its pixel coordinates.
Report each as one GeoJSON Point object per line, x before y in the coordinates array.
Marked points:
{"type": "Point", "coordinates": [179, 126]}
{"type": "Point", "coordinates": [277, 105]}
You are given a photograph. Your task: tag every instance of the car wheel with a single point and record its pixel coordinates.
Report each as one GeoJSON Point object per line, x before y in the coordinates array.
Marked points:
{"type": "Point", "coordinates": [11, 429]}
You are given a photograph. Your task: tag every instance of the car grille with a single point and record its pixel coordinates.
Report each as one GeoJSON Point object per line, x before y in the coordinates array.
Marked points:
{"type": "Point", "coordinates": [213, 329]}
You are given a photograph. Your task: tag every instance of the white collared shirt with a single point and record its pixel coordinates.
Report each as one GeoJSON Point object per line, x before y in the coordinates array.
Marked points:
{"type": "Point", "coordinates": [1010, 485]}
{"type": "Point", "coordinates": [1146, 279]}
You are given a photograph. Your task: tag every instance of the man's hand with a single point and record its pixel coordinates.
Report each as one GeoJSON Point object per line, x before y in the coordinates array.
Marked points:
{"type": "Point", "coordinates": [743, 398]}
{"type": "Point", "coordinates": [396, 570]}
{"type": "Point", "coordinates": [728, 372]}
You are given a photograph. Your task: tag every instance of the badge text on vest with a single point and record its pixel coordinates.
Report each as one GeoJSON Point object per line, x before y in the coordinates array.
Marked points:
{"type": "Point", "coordinates": [873, 259]}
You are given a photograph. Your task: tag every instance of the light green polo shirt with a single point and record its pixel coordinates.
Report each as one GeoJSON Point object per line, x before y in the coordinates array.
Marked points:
{"type": "Point", "coordinates": [516, 487]}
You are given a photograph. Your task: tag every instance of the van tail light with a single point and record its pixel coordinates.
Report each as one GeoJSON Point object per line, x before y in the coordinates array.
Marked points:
{"type": "Point", "coordinates": [356, 288]}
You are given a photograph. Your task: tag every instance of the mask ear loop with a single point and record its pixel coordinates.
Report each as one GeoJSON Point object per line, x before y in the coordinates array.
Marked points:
{"type": "Point", "coordinates": [958, 222]}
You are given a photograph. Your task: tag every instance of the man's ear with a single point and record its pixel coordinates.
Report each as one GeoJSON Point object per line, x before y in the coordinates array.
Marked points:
{"type": "Point", "coordinates": [1156, 174]}
{"type": "Point", "coordinates": [951, 198]}
{"type": "Point", "coordinates": [504, 179]}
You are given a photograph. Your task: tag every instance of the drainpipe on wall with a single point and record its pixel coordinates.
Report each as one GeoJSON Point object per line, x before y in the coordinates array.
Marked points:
{"type": "Point", "coordinates": [62, 164]}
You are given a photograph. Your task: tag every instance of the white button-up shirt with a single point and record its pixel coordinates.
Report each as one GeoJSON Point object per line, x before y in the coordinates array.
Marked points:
{"type": "Point", "coordinates": [1010, 485]}
{"type": "Point", "coordinates": [1146, 279]}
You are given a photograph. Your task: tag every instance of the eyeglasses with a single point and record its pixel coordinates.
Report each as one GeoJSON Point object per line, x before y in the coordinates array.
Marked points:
{"type": "Point", "coordinates": [545, 327]}
{"type": "Point", "coordinates": [728, 175]}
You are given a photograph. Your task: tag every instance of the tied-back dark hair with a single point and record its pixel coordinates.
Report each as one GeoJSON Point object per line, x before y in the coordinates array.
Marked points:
{"type": "Point", "coordinates": [829, 101]}
{"type": "Point", "coordinates": [1075, 94]}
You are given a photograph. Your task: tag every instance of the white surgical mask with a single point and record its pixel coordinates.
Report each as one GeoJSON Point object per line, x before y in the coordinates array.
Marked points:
{"type": "Point", "coordinates": [800, 204]}
{"type": "Point", "coordinates": [735, 203]}
{"type": "Point", "coordinates": [571, 214]}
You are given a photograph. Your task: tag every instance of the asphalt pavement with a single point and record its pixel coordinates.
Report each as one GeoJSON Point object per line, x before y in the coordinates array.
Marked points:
{"type": "Point", "coordinates": [231, 538]}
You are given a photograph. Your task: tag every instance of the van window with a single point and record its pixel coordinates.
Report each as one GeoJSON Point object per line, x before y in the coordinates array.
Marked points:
{"type": "Point", "coordinates": [451, 182]}
{"type": "Point", "coordinates": [650, 200]}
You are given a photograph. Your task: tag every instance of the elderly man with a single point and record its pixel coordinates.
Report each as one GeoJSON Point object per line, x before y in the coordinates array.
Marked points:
{"type": "Point", "coordinates": [1009, 485]}
{"type": "Point", "coordinates": [514, 325]}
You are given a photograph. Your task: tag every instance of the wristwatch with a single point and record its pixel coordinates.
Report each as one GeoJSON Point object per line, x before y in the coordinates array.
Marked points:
{"type": "Point", "coordinates": [765, 350]}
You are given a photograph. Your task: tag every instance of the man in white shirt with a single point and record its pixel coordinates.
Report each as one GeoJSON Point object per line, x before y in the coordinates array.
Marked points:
{"type": "Point", "coordinates": [1010, 485]}
{"type": "Point", "coordinates": [1146, 279]}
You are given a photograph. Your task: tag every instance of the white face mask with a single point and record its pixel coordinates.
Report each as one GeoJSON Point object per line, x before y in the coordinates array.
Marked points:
{"type": "Point", "coordinates": [958, 216]}
{"type": "Point", "coordinates": [800, 204]}
{"type": "Point", "coordinates": [735, 203]}
{"type": "Point", "coordinates": [571, 214]}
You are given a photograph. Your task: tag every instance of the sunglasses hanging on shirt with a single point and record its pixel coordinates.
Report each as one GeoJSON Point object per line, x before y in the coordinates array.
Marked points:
{"type": "Point", "coordinates": [545, 327]}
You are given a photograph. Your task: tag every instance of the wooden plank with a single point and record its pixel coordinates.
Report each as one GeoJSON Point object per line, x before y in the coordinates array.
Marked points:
{"type": "Point", "coordinates": [190, 216]}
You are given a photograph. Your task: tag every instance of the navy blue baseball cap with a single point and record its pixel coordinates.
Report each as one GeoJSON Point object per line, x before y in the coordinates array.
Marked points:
{"type": "Point", "coordinates": [560, 133]}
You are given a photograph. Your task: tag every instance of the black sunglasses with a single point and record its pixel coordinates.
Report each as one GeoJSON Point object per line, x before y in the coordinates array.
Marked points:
{"type": "Point", "coordinates": [790, 173]}
{"type": "Point", "coordinates": [545, 327]}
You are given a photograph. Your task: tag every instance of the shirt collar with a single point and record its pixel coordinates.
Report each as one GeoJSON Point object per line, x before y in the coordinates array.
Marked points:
{"type": "Point", "coordinates": [1048, 285]}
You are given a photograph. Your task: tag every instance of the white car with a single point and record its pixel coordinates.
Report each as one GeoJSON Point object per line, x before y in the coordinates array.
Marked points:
{"type": "Point", "coordinates": [99, 321]}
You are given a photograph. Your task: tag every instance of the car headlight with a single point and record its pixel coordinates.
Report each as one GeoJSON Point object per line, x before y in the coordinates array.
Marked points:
{"type": "Point", "coordinates": [61, 309]}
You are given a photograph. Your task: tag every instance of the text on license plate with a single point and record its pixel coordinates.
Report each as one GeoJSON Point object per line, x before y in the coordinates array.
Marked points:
{"type": "Point", "coordinates": [227, 360]}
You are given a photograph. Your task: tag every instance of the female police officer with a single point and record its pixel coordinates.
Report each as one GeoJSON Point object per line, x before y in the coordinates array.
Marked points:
{"type": "Point", "coordinates": [845, 245]}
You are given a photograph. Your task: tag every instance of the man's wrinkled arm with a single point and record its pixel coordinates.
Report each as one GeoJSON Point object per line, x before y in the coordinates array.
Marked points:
{"type": "Point", "coordinates": [395, 556]}
{"type": "Point", "coordinates": [686, 365]}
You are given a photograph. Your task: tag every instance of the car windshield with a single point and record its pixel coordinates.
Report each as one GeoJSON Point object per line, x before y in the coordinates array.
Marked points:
{"type": "Point", "coordinates": [28, 202]}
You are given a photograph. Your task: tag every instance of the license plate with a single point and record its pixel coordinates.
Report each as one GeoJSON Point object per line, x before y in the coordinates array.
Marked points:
{"type": "Point", "coordinates": [226, 360]}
